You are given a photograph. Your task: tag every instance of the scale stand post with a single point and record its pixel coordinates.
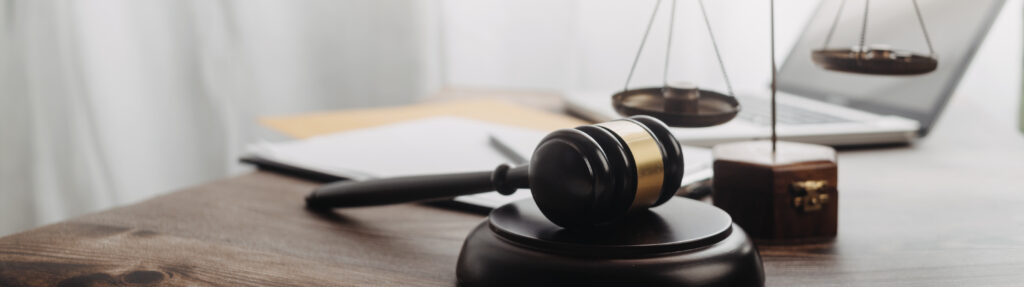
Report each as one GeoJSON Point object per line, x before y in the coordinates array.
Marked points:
{"type": "Point", "coordinates": [779, 192]}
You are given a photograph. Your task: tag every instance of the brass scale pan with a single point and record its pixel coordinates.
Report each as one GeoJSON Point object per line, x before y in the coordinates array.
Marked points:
{"type": "Point", "coordinates": [711, 108]}
{"type": "Point", "coordinates": [678, 107]}
{"type": "Point", "coordinates": [875, 60]}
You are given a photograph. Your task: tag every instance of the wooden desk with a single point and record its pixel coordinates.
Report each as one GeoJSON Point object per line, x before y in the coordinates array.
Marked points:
{"type": "Point", "coordinates": [947, 211]}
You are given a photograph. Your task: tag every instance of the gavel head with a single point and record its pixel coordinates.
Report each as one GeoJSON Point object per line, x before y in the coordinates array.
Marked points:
{"type": "Point", "coordinates": [594, 175]}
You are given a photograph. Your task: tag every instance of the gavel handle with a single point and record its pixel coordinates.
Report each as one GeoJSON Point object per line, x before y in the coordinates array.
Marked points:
{"type": "Point", "coordinates": [383, 191]}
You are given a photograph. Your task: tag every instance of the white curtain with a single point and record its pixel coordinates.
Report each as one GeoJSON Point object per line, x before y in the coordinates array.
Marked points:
{"type": "Point", "coordinates": [109, 102]}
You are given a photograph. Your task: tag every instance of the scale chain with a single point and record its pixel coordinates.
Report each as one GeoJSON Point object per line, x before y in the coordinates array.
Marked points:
{"type": "Point", "coordinates": [920, 20]}
{"type": "Point", "coordinates": [668, 49]}
{"type": "Point", "coordinates": [642, 42]}
{"type": "Point", "coordinates": [864, 28]}
{"type": "Point", "coordinates": [714, 43]}
{"type": "Point", "coordinates": [863, 31]}
{"type": "Point", "coordinates": [774, 87]}
{"type": "Point", "coordinates": [835, 22]}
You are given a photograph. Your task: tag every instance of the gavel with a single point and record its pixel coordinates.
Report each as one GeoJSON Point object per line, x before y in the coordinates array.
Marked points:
{"type": "Point", "coordinates": [584, 177]}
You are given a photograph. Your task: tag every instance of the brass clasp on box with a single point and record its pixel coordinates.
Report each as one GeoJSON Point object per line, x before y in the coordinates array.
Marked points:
{"type": "Point", "coordinates": [809, 195]}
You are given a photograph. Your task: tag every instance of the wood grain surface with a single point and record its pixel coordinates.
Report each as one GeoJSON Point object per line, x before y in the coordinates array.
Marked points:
{"type": "Point", "coordinates": [250, 230]}
{"type": "Point", "coordinates": [946, 211]}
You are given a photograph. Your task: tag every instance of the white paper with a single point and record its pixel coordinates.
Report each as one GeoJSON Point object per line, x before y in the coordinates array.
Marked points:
{"type": "Point", "coordinates": [433, 145]}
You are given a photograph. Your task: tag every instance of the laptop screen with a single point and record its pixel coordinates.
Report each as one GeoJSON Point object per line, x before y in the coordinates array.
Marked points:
{"type": "Point", "coordinates": [956, 29]}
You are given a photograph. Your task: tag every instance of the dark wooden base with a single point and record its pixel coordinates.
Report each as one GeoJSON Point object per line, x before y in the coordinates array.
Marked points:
{"type": "Point", "coordinates": [681, 243]}
{"type": "Point", "coordinates": [788, 197]}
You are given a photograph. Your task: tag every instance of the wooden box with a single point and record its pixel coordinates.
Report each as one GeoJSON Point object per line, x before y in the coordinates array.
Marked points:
{"type": "Point", "coordinates": [788, 196]}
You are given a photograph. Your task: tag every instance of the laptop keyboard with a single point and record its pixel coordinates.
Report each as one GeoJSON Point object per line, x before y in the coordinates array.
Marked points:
{"type": "Point", "coordinates": [759, 111]}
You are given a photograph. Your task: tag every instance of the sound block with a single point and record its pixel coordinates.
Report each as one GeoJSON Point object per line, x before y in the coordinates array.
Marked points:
{"type": "Point", "coordinates": [680, 243]}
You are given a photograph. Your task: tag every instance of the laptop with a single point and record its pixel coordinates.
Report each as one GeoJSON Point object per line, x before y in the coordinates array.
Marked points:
{"type": "Point", "coordinates": [843, 109]}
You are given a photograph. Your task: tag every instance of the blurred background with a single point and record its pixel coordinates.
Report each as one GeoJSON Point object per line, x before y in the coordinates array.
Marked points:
{"type": "Point", "coordinates": [109, 102]}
